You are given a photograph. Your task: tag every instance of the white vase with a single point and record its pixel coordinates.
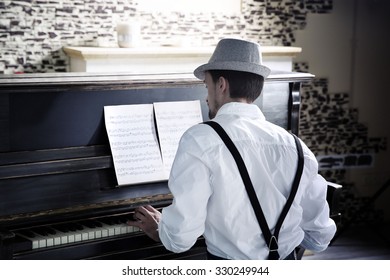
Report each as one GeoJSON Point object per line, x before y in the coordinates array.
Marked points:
{"type": "Point", "coordinates": [129, 34]}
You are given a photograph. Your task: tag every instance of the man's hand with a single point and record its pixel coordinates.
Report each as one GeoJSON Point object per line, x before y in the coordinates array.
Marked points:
{"type": "Point", "coordinates": [147, 219]}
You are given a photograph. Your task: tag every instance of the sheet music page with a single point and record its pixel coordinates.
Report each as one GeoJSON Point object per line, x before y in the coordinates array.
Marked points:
{"type": "Point", "coordinates": [173, 119]}
{"type": "Point", "coordinates": [134, 145]}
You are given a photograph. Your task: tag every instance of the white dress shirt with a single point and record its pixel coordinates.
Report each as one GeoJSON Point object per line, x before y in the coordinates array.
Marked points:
{"type": "Point", "coordinates": [210, 198]}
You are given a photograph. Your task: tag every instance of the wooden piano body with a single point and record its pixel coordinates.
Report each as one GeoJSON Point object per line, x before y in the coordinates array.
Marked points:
{"type": "Point", "coordinates": [59, 197]}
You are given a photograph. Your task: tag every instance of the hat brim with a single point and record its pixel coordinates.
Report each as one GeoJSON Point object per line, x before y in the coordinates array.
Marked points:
{"type": "Point", "coordinates": [233, 66]}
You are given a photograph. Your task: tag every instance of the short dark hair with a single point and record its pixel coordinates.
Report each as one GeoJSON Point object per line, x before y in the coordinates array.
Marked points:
{"type": "Point", "coordinates": [242, 84]}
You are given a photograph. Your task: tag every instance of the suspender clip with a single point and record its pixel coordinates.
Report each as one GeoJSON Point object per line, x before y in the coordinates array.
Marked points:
{"type": "Point", "coordinates": [273, 244]}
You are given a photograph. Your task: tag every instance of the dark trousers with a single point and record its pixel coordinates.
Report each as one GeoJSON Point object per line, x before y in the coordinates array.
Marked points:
{"type": "Point", "coordinates": [210, 256]}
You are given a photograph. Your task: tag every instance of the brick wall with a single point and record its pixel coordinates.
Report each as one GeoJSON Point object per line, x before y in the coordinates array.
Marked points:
{"type": "Point", "coordinates": [32, 32]}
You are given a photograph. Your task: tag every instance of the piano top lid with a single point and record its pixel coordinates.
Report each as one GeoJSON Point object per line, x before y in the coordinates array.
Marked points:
{"type": "Point", "coordinates": [125, 79]}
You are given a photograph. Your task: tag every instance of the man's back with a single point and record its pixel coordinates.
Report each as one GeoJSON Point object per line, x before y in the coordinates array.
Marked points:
{"type": "Point", "coordinates": [226, 217]}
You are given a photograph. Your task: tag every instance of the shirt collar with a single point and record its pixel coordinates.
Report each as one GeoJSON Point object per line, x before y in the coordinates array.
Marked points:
{"type": "Point", "coordinates": [242, 109]}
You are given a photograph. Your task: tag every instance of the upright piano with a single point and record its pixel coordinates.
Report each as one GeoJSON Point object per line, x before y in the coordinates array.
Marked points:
{"type": "Point", "coordinates": [59, 197]}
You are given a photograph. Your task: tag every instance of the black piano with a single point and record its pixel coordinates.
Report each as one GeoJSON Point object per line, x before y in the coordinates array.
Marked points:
{"type": "Point", "coordinates": [59, 198]}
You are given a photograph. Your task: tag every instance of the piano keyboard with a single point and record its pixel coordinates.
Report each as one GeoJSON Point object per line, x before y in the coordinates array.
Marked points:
{"type": "Point", "coordinates": [55, 235]}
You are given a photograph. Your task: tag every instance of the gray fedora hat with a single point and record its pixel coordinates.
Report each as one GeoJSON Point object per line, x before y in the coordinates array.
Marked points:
{"type": "Point", "coordinates": [236, 55]}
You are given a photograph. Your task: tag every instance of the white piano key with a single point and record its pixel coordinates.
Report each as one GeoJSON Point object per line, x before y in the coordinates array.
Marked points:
{"type": "Point", "coordinates": [84, 236]}
{"type": "Point", "coordinates": [117, 229]}
{"type": "Point", "coordinates": [98, 234]}
{"type": "Point", "coordinates": [57, 240]}
{"type": "Point", "coordinates": [35, 244]}
{"type": "Point", "coordinates": [123, 229]}
{"type": "Point", "coordinates": [104, 232]}
{"type": "Point", "coordinates": [77, 237]}
{"type": "Point", "coordinates": [42, 243]}
{"type": "Point", "coordinates": [71, 238]}
{"type": "Point", "coordinates": [130, 229]}
{"type": "Point", "coordinates": [64, 239]}
{"type": "Point", "coordinates": [91, 234]}
{"type": "Point", "coordinates": [111, 231]}
{"type": "Point", "coordinates": [49, 241]}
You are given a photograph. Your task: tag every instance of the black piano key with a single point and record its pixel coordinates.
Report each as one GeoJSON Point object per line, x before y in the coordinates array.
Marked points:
{"type": "Point", "coordinates": [76, 227]}
{"type": "Point", "coordinates": [27, 233]}
{"type": "Point", "coordinates": [51, 230]}
{"type": "Point", "coordinates": [62, 228]}
{"type": "Point", "coordinates": [120, 220]}
{"type": "Point", "coordinates": [41, 231]}
{"type": "Point", "coordinates": [116, 221]}
{"type": "Point", "coordinates": [69, 227]}
{"type": "Point", "coordinates": [72, 227]}
{"type": "Point", "coordinates": [107, 221]}
{"type": "Point", "coordinates": [98, 224]}
{"type": "Point", "coordinates": [89, 224]}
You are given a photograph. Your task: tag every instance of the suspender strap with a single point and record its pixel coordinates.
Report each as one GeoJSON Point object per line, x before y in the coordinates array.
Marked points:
{"type": "Point", "coordinates": [294, 187]}
{"type": "Point", "coordinates": [271, 239]}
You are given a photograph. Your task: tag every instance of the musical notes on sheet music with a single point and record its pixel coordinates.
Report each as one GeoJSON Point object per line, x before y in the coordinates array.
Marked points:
{"type": "Point", "coordinates": [134, 144]}
{"type": "Point", "coordinates": [133, 137]}
{"type": "Point", "coordinates": [173, 119]}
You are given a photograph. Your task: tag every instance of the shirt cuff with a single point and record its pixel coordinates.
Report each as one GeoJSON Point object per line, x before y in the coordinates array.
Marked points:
{"type": "Point", "coordinates": [310, 244]}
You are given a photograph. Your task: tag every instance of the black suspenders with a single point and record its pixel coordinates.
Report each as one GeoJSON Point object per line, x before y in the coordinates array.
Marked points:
{"type": "Point", "coordinates": [271, 239]}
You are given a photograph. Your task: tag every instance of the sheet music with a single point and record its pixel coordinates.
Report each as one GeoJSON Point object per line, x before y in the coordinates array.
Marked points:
{"type": "Point", "coordinates": [173, 119]}
{"type": "Point", "coordinates": [134, 145]}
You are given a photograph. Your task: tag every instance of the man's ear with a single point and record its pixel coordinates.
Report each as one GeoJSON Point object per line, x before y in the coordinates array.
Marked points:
{"type": "Point", "coordinates": [222, 84]}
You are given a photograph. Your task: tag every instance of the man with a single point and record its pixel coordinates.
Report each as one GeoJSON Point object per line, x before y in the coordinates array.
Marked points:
{"type": "Point", "coordinates": [209, 197]}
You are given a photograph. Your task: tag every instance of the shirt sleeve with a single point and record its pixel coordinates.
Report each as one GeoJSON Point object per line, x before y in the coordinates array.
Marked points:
{"type": "Point", "coordinates": [319, 228]}
{"type": "Point", "coordinates": [184, 220]}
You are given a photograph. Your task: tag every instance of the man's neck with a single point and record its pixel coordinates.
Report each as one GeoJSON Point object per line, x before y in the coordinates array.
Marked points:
{"type": "Point", "coordinates": [239, 100]}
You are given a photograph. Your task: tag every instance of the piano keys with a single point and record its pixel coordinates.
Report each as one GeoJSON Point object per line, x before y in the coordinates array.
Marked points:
{"type": "Point", "coordinates": [59, 194]}
{"type": "Point", "coordinates": [81, 231]}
